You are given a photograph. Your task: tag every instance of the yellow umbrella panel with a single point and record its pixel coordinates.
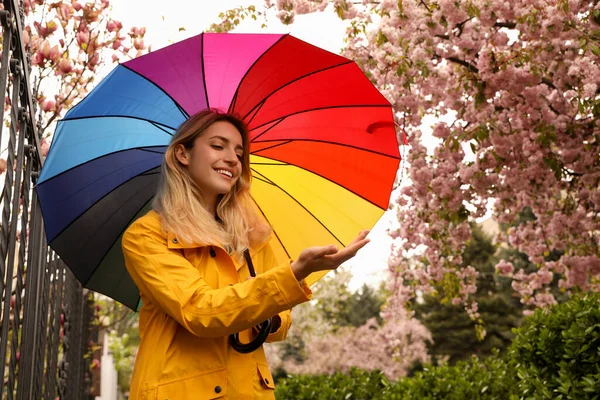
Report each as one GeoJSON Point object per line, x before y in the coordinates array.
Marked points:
{"type": "Point", "coordinates": [306, 209]}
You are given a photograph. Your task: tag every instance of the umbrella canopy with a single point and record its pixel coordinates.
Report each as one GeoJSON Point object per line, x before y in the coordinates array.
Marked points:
{"type": "Point", "coordinates": [324, 153]}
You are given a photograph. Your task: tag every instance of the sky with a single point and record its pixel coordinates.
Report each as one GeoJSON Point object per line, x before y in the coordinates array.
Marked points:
{"type": "Point", "coordinates": [175, 20]}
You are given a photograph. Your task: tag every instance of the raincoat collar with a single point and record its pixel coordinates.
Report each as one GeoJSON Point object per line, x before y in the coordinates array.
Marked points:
{"type": "Point", "coordinates": [174, 243]}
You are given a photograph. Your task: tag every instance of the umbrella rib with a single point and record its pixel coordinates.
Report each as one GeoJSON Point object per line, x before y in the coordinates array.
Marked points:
{"type": "Point", "coordinates": [255, 113]}
{"type": "Point", "coordinates": [266, 163]}
{"type": "Point", "coordinates": [233, 100]}
{"type": "Point", "coordinates": [324, 142]}
{"type": "Point", "coordinates": [274, 232]}
{"type": "Point", "coordinates": [262, 178]}
{"type": "Point", "coordinates": [271, 147]}
{"type": "Point", "coordinates": [296, 80]}
{"type": "Point", "coordinates": [235, 95]}
{"type": "Point", "coordinates": [149, 173]}
{"type": "Point", "coordinates": [268, 129]}
{"type": "Point", "coordinates": [161, 128]}
{"type": "Point", "coordinates": [157, 124]}
{"type": "Point", "coordinates": [152, 151]}
{"type": "Point", "coordinates": [319, 109]}
{"type": "Point", "coordinates": [204, 72]}
{"type": "Point", "coordinates": [145, 148]}
{"type": "Point", "coordinates": [181, 109]}
{"type": "Point", "coordinates": [301, 205]}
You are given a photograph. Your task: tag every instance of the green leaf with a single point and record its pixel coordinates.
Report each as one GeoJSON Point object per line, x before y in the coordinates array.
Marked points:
{"type": "Point", "coordinates": [381, 39]}
{"type": "Point", "coordinates": [481, 133]}
{"type": "Point", "coordinates": [473, 11]}
{"type": "Point", "coordinates": [480, 97]}
{"type": "Point", "coordinates": [400, 6]}
{"type": "Point", "coordinates": [473, 147]}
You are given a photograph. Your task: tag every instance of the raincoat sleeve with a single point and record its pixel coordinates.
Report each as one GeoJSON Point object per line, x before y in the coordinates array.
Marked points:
{"type": "Point", "coordinates": [169, 281]}
{"type": "Point", "coordinates": [281, 333]}
{"type": "Point", "coordinates": [269, 262]}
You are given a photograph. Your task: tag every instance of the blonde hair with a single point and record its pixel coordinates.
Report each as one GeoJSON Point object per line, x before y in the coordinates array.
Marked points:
{"type": "Point", "coordinates": [237, 225]}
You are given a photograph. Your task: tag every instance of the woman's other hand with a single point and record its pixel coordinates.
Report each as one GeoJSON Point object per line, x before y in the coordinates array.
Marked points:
{"type": "Point", "coordinates": [322, 258]}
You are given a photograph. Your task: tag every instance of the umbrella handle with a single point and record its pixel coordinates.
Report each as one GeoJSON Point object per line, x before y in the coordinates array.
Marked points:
{"type": "Point", "coordinates": [244, 348]}
{"type": "Point", "coordinates": [264, 328]}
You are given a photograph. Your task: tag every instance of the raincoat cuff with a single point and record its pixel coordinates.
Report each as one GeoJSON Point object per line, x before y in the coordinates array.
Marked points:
{"type": "Point", "coordinates": [288, 286]}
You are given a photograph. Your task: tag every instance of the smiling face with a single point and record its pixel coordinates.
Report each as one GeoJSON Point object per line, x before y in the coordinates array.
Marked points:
{"type": "Point", "coordinates": [214, 160]}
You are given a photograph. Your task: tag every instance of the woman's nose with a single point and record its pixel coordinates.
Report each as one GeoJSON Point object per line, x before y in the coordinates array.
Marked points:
{"type": "Point", "coordinates": [231, 157]}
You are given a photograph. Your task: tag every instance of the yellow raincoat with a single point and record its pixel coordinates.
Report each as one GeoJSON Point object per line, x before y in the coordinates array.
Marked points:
{"type": "Point", "coordinates": [194, 297]}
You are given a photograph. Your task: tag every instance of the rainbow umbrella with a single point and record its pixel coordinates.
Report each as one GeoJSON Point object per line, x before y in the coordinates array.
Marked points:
{"type": "Point", "coordinates": [324, 153]}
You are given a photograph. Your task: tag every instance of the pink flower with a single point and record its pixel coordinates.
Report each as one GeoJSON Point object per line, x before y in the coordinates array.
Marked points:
{"type": "Point", "coordinates": [504, 267]}
{"type": "Point", "coordinates": [45, 31]}
{"type": "Point", "coordinates": [113, 26]}
{"type": "Point", "coordinates": [49, 53]}
{"type": "Point", "coordinates": [64, 66]}
{"type": "Point", "coordinates": [117, 43]}
{"type": "Point", "coordinates": [49, 105]}
{"type": "Point", "coordinates": [83, 37]}
{"type": "Point", "coordinates": [44, 147]}
{"type": "Point", "coordinates": [139, 44]}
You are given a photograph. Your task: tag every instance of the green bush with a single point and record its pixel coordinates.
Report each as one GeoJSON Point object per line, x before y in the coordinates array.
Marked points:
{"type": "Point", "coordinates": [474, 379]}
{"type": "Point", "coordinates": [557, 351]}
{"type": "Point", "coordinates": [490, 379]}
{"type": "Point", "coordinates": [555, 354]}
{"type": "Point", "coordinates": [356, 385]}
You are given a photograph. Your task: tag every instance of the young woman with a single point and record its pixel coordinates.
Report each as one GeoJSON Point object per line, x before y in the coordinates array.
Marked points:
{"type": "Point", "coordinates": [187, 258]}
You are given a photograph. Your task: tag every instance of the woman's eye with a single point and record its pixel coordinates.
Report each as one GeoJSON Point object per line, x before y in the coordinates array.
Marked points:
{"type": "Point", "coordinates": [216, 146]}
{"type": "Point", "coordinates": [240, 156]}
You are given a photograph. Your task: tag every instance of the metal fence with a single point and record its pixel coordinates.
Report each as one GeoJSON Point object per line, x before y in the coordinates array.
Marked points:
{"type": "Point", "coordinates": [45, 315]}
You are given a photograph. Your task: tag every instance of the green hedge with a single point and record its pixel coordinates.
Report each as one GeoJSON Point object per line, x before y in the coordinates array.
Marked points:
{"type": "Point", "coordinates": [487, 379]}
{"type": "Point", "coordinates": [555, 355]}
{"type": "Point", "coordinates": [557, 352]}
{"type": "Point", "coordinates": [357, 384]}
{"type": "Point", "coordinates": [490, 379]}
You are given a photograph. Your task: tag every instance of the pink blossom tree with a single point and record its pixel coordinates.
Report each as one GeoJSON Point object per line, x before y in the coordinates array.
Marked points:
{"type": "Point", "coordinates": [514, 86]}
{"type": "Point", "coordinates": [393, 347]}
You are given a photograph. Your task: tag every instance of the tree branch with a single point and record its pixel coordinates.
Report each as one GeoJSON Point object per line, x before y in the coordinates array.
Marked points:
{"type": "Point", "coordinates": [425, 4]}
{"type": "Point", "coordinates": [464, 63]}
{"type": "Point", "coordinates": [548, 82]}
{"type": "Point", "coordinates": [507, 24]}
{"type": "Point", "coordinates": [461, 26]}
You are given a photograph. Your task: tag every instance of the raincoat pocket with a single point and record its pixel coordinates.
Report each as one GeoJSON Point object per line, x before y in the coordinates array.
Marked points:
{"type": "Point", "coordinates": [205, 386]}
{"type": "Point", "coordinates": [265, 376]}
{"type": "Point", "coordinates": [149, 394]}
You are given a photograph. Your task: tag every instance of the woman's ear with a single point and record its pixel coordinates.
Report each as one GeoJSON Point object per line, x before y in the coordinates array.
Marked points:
{"type": "Point", "coordinates": [181, 154]}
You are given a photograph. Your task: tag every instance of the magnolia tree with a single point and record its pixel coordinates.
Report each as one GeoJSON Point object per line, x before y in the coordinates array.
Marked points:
{"type": "Point", "coordinates": [515, 88]}
{"type": "Point", "coordinates": [69, 42]}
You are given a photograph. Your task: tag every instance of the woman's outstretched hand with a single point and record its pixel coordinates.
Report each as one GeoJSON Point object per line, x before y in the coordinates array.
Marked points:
{"type": "Point", "coordinates": [321, 258]}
